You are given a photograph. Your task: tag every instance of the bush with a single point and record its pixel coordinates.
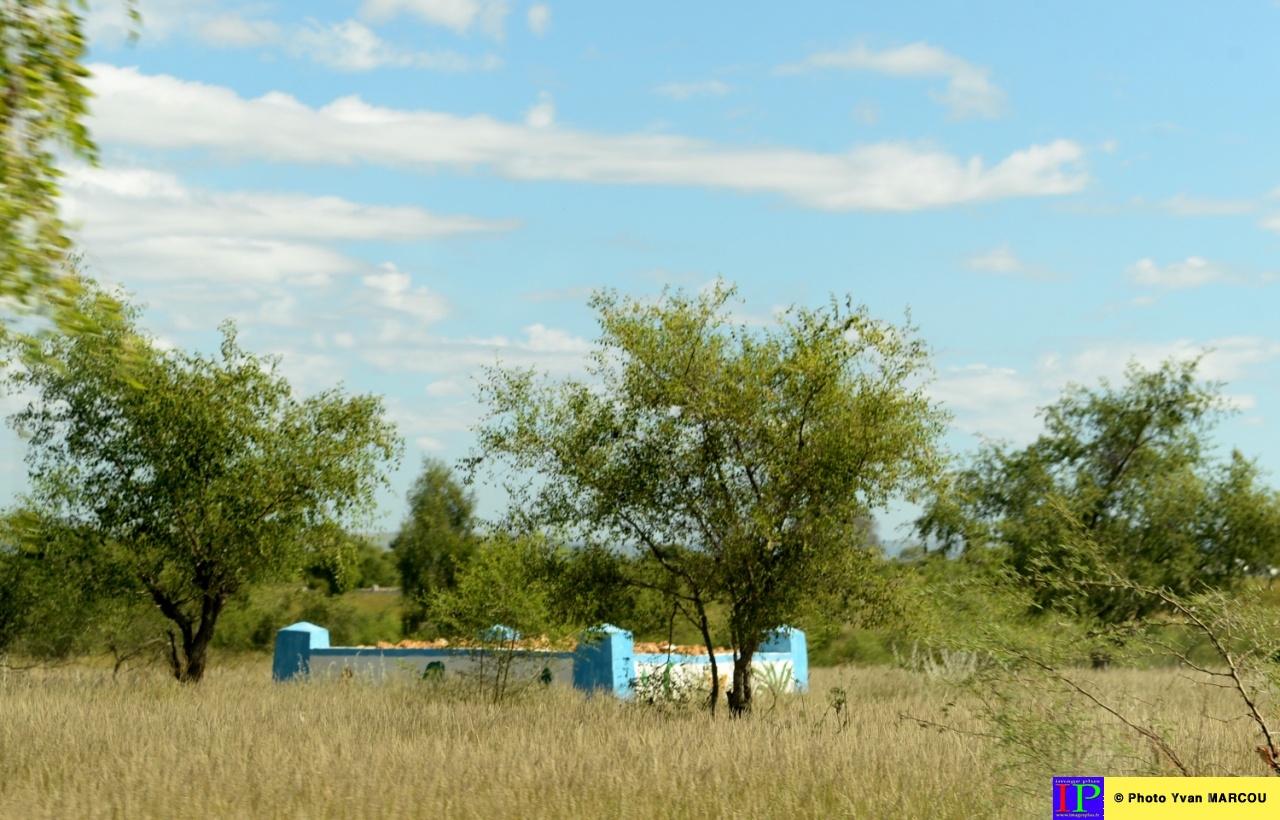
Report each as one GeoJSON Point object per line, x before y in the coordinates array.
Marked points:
{"type": "Point", "coordinates": [250, 623]}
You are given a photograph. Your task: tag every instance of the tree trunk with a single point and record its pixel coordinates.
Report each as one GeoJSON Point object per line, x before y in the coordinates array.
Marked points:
{"type": "Point", "coordinates": [188, 665]}
{"type": "Point", "coordinates": [705, 627]}
{"type": "Point", "coordinates": [740, 694]}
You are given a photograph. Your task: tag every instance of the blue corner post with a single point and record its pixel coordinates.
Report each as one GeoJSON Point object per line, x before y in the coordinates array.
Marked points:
{"type": "Point", "coordinates": [293, 649]}
{"type": "Point", "coordinates": [789, 639]}
{"type": "Point", "coordinates": [604, 659]}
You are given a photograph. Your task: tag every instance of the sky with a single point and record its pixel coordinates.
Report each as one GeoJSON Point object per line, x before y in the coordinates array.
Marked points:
{"type": "Point", "coordinates": [392, 195]}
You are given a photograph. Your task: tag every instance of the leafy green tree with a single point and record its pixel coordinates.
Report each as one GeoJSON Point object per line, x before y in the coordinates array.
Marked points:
{"type": "Point", "coordinates": [740, 462]}
{"type": "Point", "coordinates": [191, 477]}
{"type": "Point", "coordinates": [499, 598]}
{"type": "Point", "coordinates": [1127, 468]}
{"type": "Point", "coordinates": [355, 563]}
{"type": "Point", "coordinates": [436, 540]}
{"type": "Point", "coordinates": [43, 102]}
{"type": "Point", "coordinates": [376, 565]}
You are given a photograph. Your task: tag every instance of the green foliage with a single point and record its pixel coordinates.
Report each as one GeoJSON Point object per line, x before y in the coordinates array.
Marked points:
{"type": "Point", "coordinates": [193, 477]}
{"type": "Point", "coordinates": [251, 620]}
{"type": "Point", "coordinates": [1045, 713]}
{"type": "Point", "coordinates": [56, 600]}
{"type": "Point", "coordinates": [500, 595]}
{"type": "Point", "coordinates": [1130, 466]}
{"type": "Point", "coordinates": [502, 584]}
{"type": "Point", "coordinates": [43, 103]}
{"type": "Point", "coordinates": [355, 563]}
{"type": "Point", "coordinates": [436, 541]}
{"type": "Point", "coordinates": [739, 462]}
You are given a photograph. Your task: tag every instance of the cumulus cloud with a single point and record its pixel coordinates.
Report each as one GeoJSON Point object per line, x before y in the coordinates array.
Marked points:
{"type": "Point", "coordinates": [1271, 223]}
{"type": "Point", "coordinates": [163, 112]}
{"type": "Point", "coordinates": [542, 114]}
{"type": "Point", "coordinates": [151, 225]}
{"type": "Point", "coordinates": [394, 290]}
{"type": "Point", "coordinates": [687, 91]}
{"type": "Point", "coordinates": [237, 31]}
{"type": "Point", "coordinates": [352, 46]}
{"type": "Point", "coordinates": [969, 92]}
{"type": "Point", "coordinates": [1193, 272]}
{"type": "Point", "coordinates": [1000, 260]}
{"type": "Point", "coordinates": [1183, 205]}
{"type": "Point", "coordinates": [1004, 261]}
{"type": "Point", "coordinates": [459, 15]}
{"type": "Point", "coordinates": [539, 18]}
{"type": "Point", "coordinates": [398, 347]}
{"type": "Point", "coordinates": [1002, 402]}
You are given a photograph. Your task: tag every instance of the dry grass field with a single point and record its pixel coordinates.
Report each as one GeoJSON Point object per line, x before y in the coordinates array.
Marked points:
{"type": "Point", "coordinates": [74, 742]}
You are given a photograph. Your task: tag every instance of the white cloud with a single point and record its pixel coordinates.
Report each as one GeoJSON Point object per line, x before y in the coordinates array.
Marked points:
{"type": "Point", "coordinates": [236, 31]}
{"type": "Point", "coordinates": [998, 402]}
{"type": "Point", "coordinates": [459, 15]}
{"type": "Point", "coordinates": [970, 92]}
{"type": "Point", "coordinates": [109, 24]}
{"type": "Point", "coordinates": [1189, 274]}
{"type": "Point", "coordinates": [310, 372]}
{"type": "Point", "coordinates": [1004, 261]}
{"type": "Point", "coordinates": [1271, 223]}
{"type": "Point", "coordinates": [133, 202]}
{"type": "Point", "coordinates": [445, 388]}
{"type": "Point", "coordinates": [1183, 205]}
{"type": "Point", "coordinates": [150, 225]}
{"type": "Point", "coordinates": [1227, 358]}
{"type": "Point", "coordinates": [866, 112]}
{"type": "Point", "coordinates": [539, 18]}
{"type": "Point", "coordinates": [687, 91]}
{"type": "Point", "coordinates": [543, 339]}
{"type": "Point", "coordinates": [166, 113]}
{"type": "Point", "coordinates": [1000, 260]}
{"type": "Point", "coordinates": [352, 46]}
{"type": "Point", "coordinates": [403, 348]}
{"type": "Point", "coordinates": [217, 258]}
{"type": "Point", "coordinates": [1002, 402]}
{"type": "Point", "coordinates": [542, 114]}
{"type": "Point", "coordinates": [394, 291]}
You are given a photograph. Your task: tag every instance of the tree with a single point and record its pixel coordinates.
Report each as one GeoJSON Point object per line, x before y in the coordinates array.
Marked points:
{"type": "Point", "coordinates": [740, 462]}
{"type": "Point", "coordinates": [436, 541]}
{"type": "Point", "coordinates": [498, 597]}
{"type": "Point", "coordinates": [191, 477]}
{"type": "Point", "coordinates": [354, 564]}
{"type": "Point", "coordinates": [1129, 468]}
{"type": "Point", "coordinates": [43, 101]}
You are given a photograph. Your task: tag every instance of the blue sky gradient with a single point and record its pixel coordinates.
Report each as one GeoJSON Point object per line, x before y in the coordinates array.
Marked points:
{"type": "Point", "coordinates": [393, 193]}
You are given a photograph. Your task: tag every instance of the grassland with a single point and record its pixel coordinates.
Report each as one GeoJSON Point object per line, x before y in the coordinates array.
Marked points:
{"type": "Point", "coordinates": [76, 742]}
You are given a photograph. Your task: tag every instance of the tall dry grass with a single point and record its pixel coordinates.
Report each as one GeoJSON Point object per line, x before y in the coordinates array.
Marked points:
{"type": "Point", "coordinates": [78, 743]}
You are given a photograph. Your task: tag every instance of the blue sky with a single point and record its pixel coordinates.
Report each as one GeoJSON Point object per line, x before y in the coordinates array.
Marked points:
{"type": "Point", "coordinates": [392, 194]}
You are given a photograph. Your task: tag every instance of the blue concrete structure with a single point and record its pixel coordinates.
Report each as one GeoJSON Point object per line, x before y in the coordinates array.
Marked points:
{"type": "Point", "coordinates": [293, 649]}
{"type": "Point", "coordinates": [787, 640]}
{"type": "Point", "coordinates": [605, 661]}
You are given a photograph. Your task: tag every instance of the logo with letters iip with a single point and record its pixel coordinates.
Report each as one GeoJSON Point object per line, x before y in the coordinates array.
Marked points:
{"type": "Point", "coordinates": [1080, 798]}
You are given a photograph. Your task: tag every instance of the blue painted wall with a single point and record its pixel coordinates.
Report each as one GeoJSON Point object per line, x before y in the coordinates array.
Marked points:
{"type": "Point", "coordinates": [293, 649]}
{"type": "Point", "coordinates": [789, 640]}
{"type": "Point", "coordinates": [604, 661]}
